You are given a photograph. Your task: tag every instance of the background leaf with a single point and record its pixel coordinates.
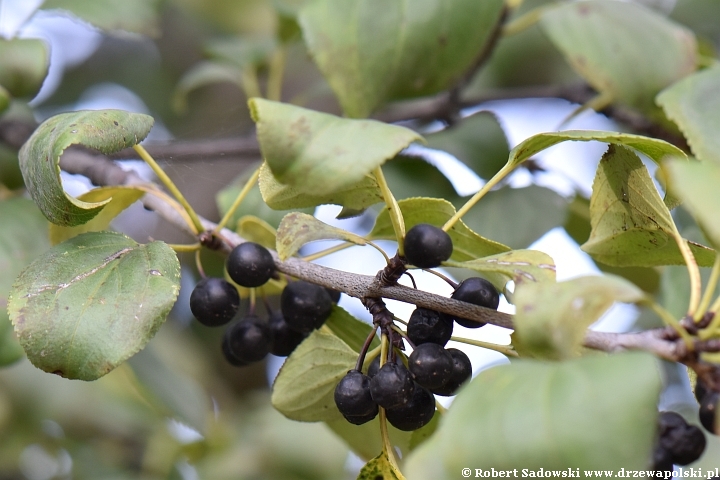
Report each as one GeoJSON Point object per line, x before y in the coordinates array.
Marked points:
{"type": "Point", "coordinates": [413, 177]}
{"type": "Point", "coordinates": [23, 65]}
{"type": "Point", "coordinates": [297, 229]}
{"type": "Point", "coordinates": [104, 130]}
{"type": "Point", "coordinates": [202, 74]}
{"type": "Point", "coordinates": [595, 412]}
{"type": "Point", "coordinates": [631, 226]}
{"type": "Point", "coordinates": [119, 198]}
{"type": "Point", "coordinates": [556, 328]}
{"type": "Point", "coordinates": [283, 197]}
{"type": "Point", "coordinates": [478, 141]}
{"type": "Point", "coordinates": [88, 304]}
{"type": "Point", "coordinates": [517, 217]}
{"type": "Point", "coordinates": [467, 245]}
{"type": "Point", "coordinates": [256, 230]}
{"type": "Point", "coordinates": [349, 329]}
{"type": "Point", "coordinates": [412, 49]}
{"type": "Point", "coordinates": [696, 184]}
{"type": "Point", "coordinates": [137, 16]}
{"type": "Point", "coordinates": [594, 35]}
{"type": "Point", "coordinates": [694, 105]}
{"type": "Point", "coordinates": [23, 237]}
{"type": "Point", "coordinates": [304, 388]}
{"type": "Point", "coordinates": [319, 153]}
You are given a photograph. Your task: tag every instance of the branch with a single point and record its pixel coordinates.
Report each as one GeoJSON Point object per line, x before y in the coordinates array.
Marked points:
{"type": "Point", "coordinates": [102, 171]}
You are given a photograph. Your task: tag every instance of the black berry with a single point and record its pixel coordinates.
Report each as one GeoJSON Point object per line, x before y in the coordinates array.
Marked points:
{"type": "Point", "coordinates": [229, 356]}
{"type": "Point", "coordinates": [305, 305]}
{"type": "Point", "coordinates": [284, 339]}
{"type": "Point", "coordinates": [708, 412]}
{"type": "Point", "coordinates": [430, 365]}
{"type": "Point", "coordinates": [461, 373]}
{"type": "Point", "coordinates": [685, 443]}
{"type": "Point", "coordinates": [214, 302]}
{"type": "Point", "coordinates": [478, 291]}
{"type": "Point", "coordinates": [392, 386]}
{"type": "Point", "coordinates": [250, 265]}
{"type": "Point", "coordinates": [427, 246]}
{"type": "Point", "coordinates": [414, 414]}
{"type": "Point", "coordinates": [249, 339]}
{"type": "Point", "coordinates": [662, 460]}
{"type": "Point", "coordinates": [353, 399]}
{"type": "Point", "coordinates": [429, 326]}
{"type": "Point", "coordinates": [700, 390]}
{"type": "Point", "coordinates": [375, 365]}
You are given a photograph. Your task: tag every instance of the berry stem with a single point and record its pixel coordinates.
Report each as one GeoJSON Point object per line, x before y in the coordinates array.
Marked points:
{"type": "Point", "coordinates": [275, 74]}
{"type": "Point", "coordinates": [449, 281]}
{"type": "Point", "coordinates": [396, 216]}
{"type": "Point", "coordinates": [238, 200]}
{"type": "Point", "coordinates": [693, 272]}
{"type": "Point", "coordinates": [364, 349]}
{"type": "Point", "coordinates": [387, 445]}
{"type": "Point", "coordinates": [709, 290]}
{"type": "Point", "coordinates": [370, 356]}
{"type": "Point", "coordinates": [327, 251]}
{"type": "Point", "coordinates": [506, 350]}
{"type": "Point", "coordinates": [198, 264]}
{"type": "Point", "coordinates": [170, 185]}
{"type": "Point", "coordinates": [404, 335]}
{"type": "Point", "coordinates": [667, 317]}
{"type": "Point", "coordinates": [184, 248]}
{"type": "Point", "coordinates": [249, 82]}
{"type": "Point", "coordinates": [251, 309]}
{"type": "Point", "coordinates": [502, 173]}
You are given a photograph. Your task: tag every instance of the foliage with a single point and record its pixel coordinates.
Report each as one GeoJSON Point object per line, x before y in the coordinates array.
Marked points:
{"type": "Point", "coordinates": [336, 92]}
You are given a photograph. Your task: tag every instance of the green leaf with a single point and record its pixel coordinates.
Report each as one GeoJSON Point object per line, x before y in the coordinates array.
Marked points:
{"type": "Point", "coordinates": [594, 37]}
{"type": "Point", "coordinates": [467, 245]}
{"type": "Point", "coordinates": [173, 392]}
{"type": "Point", "coordinates": [241, 51]}
{"type": "Point", "coordinates": [105, 130]}
{"type": "Point", "coordinates": [23, 66]}
{"type": "Point", "coordinates": [349, 329]}
{"type": "Point", "coordinates": [202, 74]}
{"type": "Point", "coordinates": [534, 211]}
{"type": "Point", "coordinates": [355, 197]}
{"type": "Point", "coordinates": [319, 153]}
{"type": "Point", "coordinates": [304, 387]}
{"type": "Point", "coordinates": [413, 49]}
{"type": "Point", "coordinates": [256, 230]}
{"type": "Point", "coordinates": [478, 141]}
{"type": "Point", "coordinates": [556, 329]}
{"type": "Point", "coordinates": [88, 304]}
{"type": "Point", "coordinates": [297, 229]}
{"type": "Point", "coordinates": [694, 105]}
{"type": "Point", "coordinates": [412, 177]}
{"type": "Point", "coordinates": [380, 468]}
{"type": "Point", "coordinates": [631, 226]}
{"type": "Point", "coordinates": [137, 16]}
{"type": "Point", "coordinates": [696, 184]}
{"type": "Point", "coordinates": [594, 413]}
{"type": "Point", "coordinates": [518, 265]}
{"type": "Point", "coordinates": [253, 203]}
{"type": "Point", "coordinates": [23, 237]}
{"type": "Point", "coordinates": [120, 199]}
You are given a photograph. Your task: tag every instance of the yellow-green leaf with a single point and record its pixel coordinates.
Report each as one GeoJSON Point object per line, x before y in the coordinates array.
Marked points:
{"type": "Point", "coordinates": [380, 467]}
{"type": "Point", "coordinates": [517, 265]}
{"type": "Point", "coordinates": [297, 229]}
{"type": "Point", "coordinates": [119, 198]}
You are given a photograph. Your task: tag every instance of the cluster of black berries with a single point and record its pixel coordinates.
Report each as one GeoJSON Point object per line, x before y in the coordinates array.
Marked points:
{"type": "Point", "coordinates": [406, 393]}
{"type": "Point", "coordinates": [678, 442]}
{"type": "Point", "coordinates": [709, 401]}
{"type": "Point", "coordinates": [303, 307]}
